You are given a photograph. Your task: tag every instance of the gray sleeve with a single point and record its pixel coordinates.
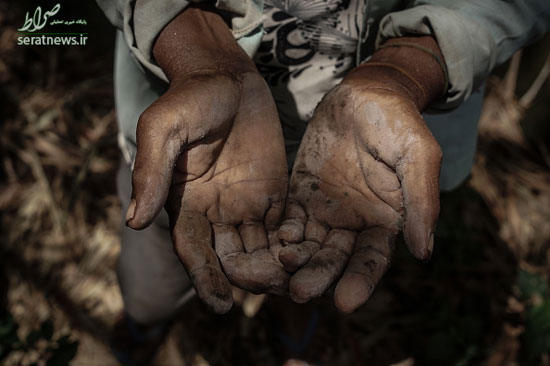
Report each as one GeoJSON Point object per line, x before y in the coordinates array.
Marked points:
{"type": "Point", "coordinates": [141, 21]}
{"type": "Point", "coordinates": [474, 35]}
{"type": "Point", "coordinates": [113, 11]}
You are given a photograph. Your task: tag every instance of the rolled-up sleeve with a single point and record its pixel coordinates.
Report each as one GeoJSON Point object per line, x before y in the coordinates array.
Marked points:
{"type": "Point", "coordinates": [141, 21]}
{"type": "Point", "coordinates": [473, 35]}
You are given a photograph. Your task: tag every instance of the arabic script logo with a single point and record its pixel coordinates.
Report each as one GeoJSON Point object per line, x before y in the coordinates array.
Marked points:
{"type": "Point", "coordinates": [39, 19]}
{"type": "Point", "coordinates": [30, 34]}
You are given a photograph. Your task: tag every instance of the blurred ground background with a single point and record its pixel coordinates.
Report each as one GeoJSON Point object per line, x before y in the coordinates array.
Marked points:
{"type": "Point", "coordinates": [483, 299]}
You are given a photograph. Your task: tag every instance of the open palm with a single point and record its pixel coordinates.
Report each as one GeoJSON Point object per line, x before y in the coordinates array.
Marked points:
{"type": "Point", "coordinates": [211, 151]}
{"type": "Point", "coordinates": [366, 169]}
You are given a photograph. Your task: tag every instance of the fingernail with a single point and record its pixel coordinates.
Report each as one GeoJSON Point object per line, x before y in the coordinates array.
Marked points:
{"type": "Point", "coordinates": [131, 210]}
{"type": "Point", "coordinates": [430, 246]}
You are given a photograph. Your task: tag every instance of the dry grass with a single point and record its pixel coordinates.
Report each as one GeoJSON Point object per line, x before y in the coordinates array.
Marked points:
{"type": "Point", "coordinates": [511, 175]}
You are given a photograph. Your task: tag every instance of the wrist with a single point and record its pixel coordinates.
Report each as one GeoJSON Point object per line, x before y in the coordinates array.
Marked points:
{"type": "Point", "coordinates": [413, 66]}
{"type": "Point", "coordinates": [198, 41]}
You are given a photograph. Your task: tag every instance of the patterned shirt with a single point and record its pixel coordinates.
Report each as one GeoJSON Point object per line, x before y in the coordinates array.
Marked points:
{"type": "Point", "coordinates": [307, 48]}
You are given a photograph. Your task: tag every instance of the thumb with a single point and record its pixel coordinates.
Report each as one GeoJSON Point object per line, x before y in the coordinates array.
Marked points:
{"type": "Point", "coordinates": [158, 147]}
{"type": "Point", "coordinates": [418, 171]}
{"type": "Point", "coordinates": [191, 111]}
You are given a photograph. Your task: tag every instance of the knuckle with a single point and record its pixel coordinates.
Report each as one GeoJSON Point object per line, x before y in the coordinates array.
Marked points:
{"type": "Point", "coordinates": [436, 149]}
{"type": "Point", "coordinates": [433, 149]}
{"type": "Point", "coordinates": [147, 117]}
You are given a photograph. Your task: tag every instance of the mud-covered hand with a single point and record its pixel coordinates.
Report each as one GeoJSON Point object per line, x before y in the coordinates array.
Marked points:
{"type": "Point", "coordinates": [211, 151]}
{"type": "Point", "coordinates": [367, 168]}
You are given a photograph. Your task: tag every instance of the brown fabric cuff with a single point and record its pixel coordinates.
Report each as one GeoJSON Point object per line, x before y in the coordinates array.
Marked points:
{"type": "Point", "coordinates": [414, 62]}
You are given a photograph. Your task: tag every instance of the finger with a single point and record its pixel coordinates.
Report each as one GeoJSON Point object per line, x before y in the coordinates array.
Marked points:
{"type": "Point", "coordinates": [368, 263]}
{"type": "Point", "coordinates": [315, 231]}
{"type": "Point", "coordinates": [253, 236]}
{"type": "Point", "coordinates": [292, 228]}
{"type": "Point", "coordinates": [274, 215]}
{"type": "Point", "coordinates": [181, 117]}
{"type": "Point", "coordinates": [158, 149]}
{"type": "Point", "coordinates": [293, 257]}
{"type": "Point", "coordinates": [255, 272]}
{"type": "Point", "coordinates": [418, 171]}
{"type": "Point", "coordinates": [324, 267]}
{"type": "Point", "coordinates": [227, 240]}
{"type": "Point", "coordinates": [274, 243]}
{"type": "Point", "coordinates": [192, 239]}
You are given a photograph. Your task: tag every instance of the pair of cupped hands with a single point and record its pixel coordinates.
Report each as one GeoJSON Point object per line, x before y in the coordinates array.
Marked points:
{"type": "Point", "coordinates": [211, 152]}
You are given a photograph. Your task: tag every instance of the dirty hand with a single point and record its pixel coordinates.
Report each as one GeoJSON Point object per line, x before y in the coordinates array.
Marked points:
{"type": "Point", "coordinates": [367, 168]}
{"type": "Point", "coordinates": [211, 151]}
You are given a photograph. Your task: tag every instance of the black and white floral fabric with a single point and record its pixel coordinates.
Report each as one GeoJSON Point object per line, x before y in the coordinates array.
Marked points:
{"type": "Point", "coordinates": [307, 47]}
